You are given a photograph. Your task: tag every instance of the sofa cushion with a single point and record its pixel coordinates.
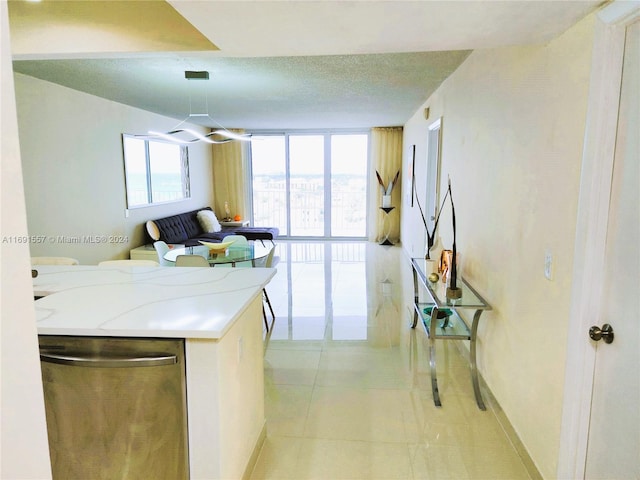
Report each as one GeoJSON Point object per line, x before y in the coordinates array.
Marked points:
{"type": "Point", "coordinates": [152, 230]}
{"type": "Point", "coordinates": [191, 223]}
{"type": "Point", "coordinates": [171, 229]}
{"type": "Point", "coordinates": [208, 221]}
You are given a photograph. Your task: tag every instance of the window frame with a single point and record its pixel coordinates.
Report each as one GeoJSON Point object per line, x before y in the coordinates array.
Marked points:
{"type": "Point", "coordinates": [184, 173]}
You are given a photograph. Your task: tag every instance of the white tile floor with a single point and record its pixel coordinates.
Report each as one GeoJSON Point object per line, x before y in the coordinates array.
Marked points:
{"type": "Point", "coordinates": [347, 382]}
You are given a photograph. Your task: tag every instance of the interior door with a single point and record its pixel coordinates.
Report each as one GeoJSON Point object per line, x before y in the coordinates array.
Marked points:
{"type": "Point", "coordinates": [613, 449]}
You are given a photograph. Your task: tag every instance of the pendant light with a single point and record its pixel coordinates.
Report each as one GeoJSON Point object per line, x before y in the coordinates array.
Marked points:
{"type": "Point", "coordinates": [186, 136]}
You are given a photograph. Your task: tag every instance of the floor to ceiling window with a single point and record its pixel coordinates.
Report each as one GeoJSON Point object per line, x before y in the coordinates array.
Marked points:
{"type": "Point", "coordinates": [310, 185]}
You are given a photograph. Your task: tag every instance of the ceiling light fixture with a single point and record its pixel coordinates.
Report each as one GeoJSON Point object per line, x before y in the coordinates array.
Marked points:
{"type": "Point", "coordinates": [185, 136]}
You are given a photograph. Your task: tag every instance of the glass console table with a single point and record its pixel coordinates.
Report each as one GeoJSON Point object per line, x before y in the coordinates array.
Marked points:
{"type": "Point", "coordinates": [448, 327]}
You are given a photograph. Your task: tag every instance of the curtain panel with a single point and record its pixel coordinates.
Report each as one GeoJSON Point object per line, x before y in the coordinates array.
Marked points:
{"type": "Point", "coordinates": [230, 164]}
{"type": "Point", "coordinates": [386, 159]}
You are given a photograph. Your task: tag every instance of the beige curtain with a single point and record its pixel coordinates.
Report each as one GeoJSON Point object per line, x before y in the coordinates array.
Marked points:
{"type": "Point", "coordinates": [230, 162]}
{"type": "Point", "coordinates": [386, 159]}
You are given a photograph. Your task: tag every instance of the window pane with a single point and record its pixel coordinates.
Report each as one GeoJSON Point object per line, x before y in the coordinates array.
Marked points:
{"type": "Point", "coordinates": [155, 171]}
{"type": "Point", "coordinates": [307, 191]}
{"type": "Point", "coordinates": [306, 167]}
{"type": "Point", "coordinates": [349, 185]}
{"type": "Point", "coordinates": [135, 161]}
{"type": "Point", "coordinates": [269, 182]}
{"type": "Point", "coordinates": [165, 164]}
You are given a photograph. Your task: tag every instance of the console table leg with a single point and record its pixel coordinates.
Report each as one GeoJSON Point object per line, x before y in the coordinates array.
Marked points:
{"type": "Point", "coordinates": [472, 360]}
{"type": "Point", "coordinates": [432, 358]}
{"type": "Point", "coordinates": [415, 298]}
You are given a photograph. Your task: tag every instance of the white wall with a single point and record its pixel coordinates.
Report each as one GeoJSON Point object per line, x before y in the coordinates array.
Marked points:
{"type": "Point", "coordinates": [74, 175]}
{"type": "Point", "coordinates": [24, 451]}
{"type": "Point", "coordinates": [512, 137]}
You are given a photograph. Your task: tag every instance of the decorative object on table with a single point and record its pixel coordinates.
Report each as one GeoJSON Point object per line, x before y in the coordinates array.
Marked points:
{"type": "Point", "coordinates": [442, 312]}
{"type": "Point", "coordinates": [431, 235]}
{"type": "Point", "coordinates": [217, 247]}
{"type": "Point", "coordinates": [386, 191]}
{"type": "Point", "coordinates": [386, 240]}
{"type": "Point", "coordinates": [453, 291]}
{"type": "Point", "coordinates": [433, 256]}
{"type": "Point", "coordinates": [434, 277]}
{"type": "Point", "coordinates": [444, 265]}
{"type": "Point", "coordinates": [227, 212]}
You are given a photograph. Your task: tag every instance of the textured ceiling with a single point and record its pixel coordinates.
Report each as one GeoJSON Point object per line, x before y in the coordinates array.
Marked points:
{"type": "Point", "coordinates": [346, 91]}
{"type": "Point", "coordinates": [295, 64]}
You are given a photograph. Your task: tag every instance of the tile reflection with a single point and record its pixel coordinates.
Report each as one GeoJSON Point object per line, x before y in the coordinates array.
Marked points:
{"type": "Point", "coordinates": [331, 291]}
{"type": "Point", "coordinates": [347, 384]}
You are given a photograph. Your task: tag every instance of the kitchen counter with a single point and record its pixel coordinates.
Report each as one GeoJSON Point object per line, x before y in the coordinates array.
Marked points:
{"type": "Point", "coordinates": [136, 301]}
{"type": "Point", "coordinates": [218, 311]}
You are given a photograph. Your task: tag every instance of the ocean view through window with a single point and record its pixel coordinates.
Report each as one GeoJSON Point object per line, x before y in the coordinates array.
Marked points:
{"type": "Point", "coordinates": [155, 171]}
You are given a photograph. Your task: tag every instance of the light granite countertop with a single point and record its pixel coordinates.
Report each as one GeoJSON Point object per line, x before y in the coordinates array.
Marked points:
{"type": "Point", "coordinates": [166, 302]}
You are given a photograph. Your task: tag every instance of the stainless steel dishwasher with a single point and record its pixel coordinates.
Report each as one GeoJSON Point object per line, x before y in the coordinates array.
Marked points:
{"type": "Point", "coordinates": [115, 407]}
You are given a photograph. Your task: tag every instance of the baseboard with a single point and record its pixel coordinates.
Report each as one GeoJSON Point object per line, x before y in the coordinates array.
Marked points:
{"type": "Point", "coordinates": [491, 402]}
{"type": "Point", "coordinates": [253, 459]}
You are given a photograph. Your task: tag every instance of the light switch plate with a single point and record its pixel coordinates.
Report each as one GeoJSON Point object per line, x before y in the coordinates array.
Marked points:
{"type": "Point", "coordinates": [548, 265]}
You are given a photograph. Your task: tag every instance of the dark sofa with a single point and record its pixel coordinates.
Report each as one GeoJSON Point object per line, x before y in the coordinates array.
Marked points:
{"type": "Point", "coordinates": [185, 229]}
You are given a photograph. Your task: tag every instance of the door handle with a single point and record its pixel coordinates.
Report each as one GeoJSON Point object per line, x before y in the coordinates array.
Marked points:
{"type": "Point", "coordinates": [153, 360]}
{"type": "Point", "coordinates": [605, 333]}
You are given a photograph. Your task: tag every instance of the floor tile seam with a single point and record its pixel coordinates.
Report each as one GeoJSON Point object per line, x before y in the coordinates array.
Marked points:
{"type": "Point", "coordinates": [404, 389]}
{"type": "Point", "coordinates": [307, 416]}
{"type": "Point", "coordinates": [516, 454]}
{"type": "Point", "coordinates": [347, 440]}
{"type": "Point", "coordinates": [311, 397]}
{"type": "Point", "coordinates": [458, 442]}
{"type": "Point", "coordinates": [294, 349]}
{"type": "Point", "coordinates": [420, 474]}
{"type": "Point", "coordinates": [297, 448]}
{"type": "Point", "coordinates": [365, 387]}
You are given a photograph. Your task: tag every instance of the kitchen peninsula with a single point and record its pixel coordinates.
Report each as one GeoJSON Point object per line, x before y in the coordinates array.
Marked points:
{"type": "Point", "coordinates": [218, 314]}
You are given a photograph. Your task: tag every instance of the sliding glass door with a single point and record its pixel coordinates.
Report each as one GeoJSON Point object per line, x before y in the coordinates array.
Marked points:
{"type": "Point", "coordinates": [349, 185]}
{"type": "Point", "coordinates": [310, 185]}
{"type": "Point", "coordinates": [306, 186]}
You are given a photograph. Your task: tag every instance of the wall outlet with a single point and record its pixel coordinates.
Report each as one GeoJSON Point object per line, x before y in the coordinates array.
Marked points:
{"type": "Point", "coordinates": [548, 265]}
